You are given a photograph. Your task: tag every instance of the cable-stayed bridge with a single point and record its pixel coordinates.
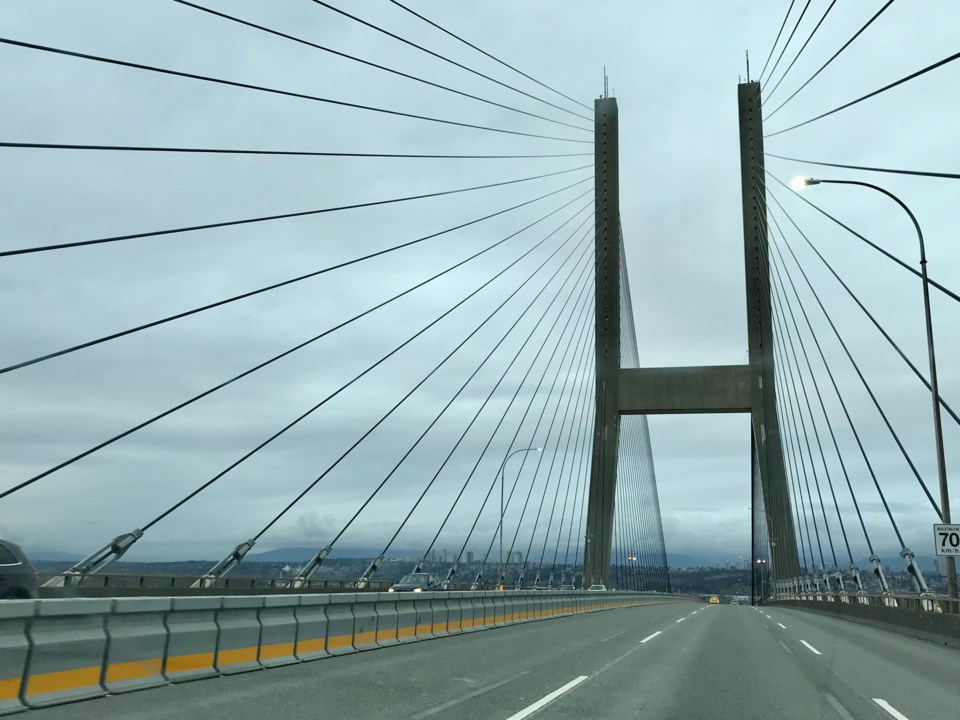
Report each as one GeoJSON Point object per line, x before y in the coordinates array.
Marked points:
{"type": "Point", "coordinates": [429, 350]}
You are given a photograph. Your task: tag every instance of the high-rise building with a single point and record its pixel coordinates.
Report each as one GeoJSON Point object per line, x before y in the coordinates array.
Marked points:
{"type": "Point", "coordinates": [517, 557]}
{"type": "Point", "coordinates": [470, 556]}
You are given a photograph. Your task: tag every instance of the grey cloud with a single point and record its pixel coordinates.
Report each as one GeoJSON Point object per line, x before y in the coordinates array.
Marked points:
{"type": "Point", "coordinates": [674, 70]}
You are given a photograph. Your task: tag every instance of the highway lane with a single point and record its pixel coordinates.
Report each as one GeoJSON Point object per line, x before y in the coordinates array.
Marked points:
{"type": "Point", "coordinates": [761, 663]}
{"type": "Point", "coordinates": [674, 660]}
{"type": "Point", "coordinates": [918, 678]}
{"type": "Point", "coordinates": [491, 673]}
{"type": "Point", "coordinates": [722, 663]}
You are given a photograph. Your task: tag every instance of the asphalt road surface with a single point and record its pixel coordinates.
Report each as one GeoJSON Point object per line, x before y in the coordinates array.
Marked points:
{"type": "Point", "coordinates": [670, 661]}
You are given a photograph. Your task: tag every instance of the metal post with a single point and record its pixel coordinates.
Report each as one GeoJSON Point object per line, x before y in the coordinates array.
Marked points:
{"type": "Point", "coordinates": [937, 423]}
{"type": "Point", "coordinates": [603, 467]}
{"type": "Point", "coordinates": [764, 420]}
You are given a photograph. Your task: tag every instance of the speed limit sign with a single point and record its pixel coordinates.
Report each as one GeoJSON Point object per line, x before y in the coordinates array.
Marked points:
{"type": "Point", "coordinates": [946, 539]}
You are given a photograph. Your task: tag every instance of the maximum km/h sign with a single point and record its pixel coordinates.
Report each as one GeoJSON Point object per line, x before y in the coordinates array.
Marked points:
{"type": "Point", "coordinates": [946, 539]}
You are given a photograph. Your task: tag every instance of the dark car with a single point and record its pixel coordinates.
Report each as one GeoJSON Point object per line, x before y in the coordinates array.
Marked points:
{"type": "Point", "coordinates": [417, 582]}
{"type": "Point", "coordinates": [18, 579]}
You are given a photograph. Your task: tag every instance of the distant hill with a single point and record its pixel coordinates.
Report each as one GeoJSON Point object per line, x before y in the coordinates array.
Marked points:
{"type": "Point", "coordinates": [52, 555]}
{"type": "Point", "coordinates": [680, 560]}
{"type": "Point", "coordinates": [304, 553]}
{"type": "Point", "coordinates": [284, 554]}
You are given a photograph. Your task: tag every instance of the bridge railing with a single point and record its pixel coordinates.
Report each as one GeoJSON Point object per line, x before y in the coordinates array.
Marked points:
{"type": "Point", "coordinates": [159, 582]}
{"type": "Point", "coordinates": [158, 585]}
{"type": "Point", "coordinates": [922, 603]}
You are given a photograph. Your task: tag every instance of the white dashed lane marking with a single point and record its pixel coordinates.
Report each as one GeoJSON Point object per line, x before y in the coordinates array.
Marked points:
{"type": "Point", "coordinates": [890, 709]}
{"type": "Point", "coordinates": [530, 709]}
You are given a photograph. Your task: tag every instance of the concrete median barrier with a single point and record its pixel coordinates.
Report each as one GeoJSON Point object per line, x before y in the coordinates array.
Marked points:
{"type": "Point", "coordinates": [454, 616]}
{"type": "Point", "coordinates": [278, 630]}
{"type": "Point", "coordinates": [192, 638]}
{"type": "Point", "coordinates": [238, 642]}
{"type": "Point", "coordinates": [528, 611]}
{"type": "Point", "coordinates": [424, 629]}
{"type": "Point", "coordinates": [500, 616]}
{"type": "Point", "coordinates": [14, 648]}
{"type": "Point", "coordinates": [365, 621]}
{"type": "Point", "coordinates": [468, 611]}
{"type": "Point", "coordinates": [388, 619]}
{"type": "Point", "coordinates": [511, 606]}
{"type": "Point", "coordinates": [68, 643]}
{"type": "Point", "coordinates": [340, 624]}
{"type": "Point", "coordinates": [536, 606]}
{"type": "Point", "coordinates": [406, 618]}
{"type": "Point", "coordinates": [489, 609]}
{"type": "Point", "coordinates": [136, 644]}
{"type": "Point", "coordinates": [440, 615]}
{"type": "Point", "coordinates": [554, 603]}
{"type": "Point", "coordinates": [311, 616]}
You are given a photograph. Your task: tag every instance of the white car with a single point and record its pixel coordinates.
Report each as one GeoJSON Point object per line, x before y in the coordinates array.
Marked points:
{"type": "Point", "coordinates": [597, 588]}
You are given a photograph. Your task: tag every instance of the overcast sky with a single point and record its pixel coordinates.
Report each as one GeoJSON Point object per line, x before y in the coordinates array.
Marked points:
{"type": "Point", "coordinates": [674, 69]}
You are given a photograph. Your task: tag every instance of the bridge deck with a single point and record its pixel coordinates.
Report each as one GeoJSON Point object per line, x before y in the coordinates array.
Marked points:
{"type": "Point", "coordinates": [706, 662]}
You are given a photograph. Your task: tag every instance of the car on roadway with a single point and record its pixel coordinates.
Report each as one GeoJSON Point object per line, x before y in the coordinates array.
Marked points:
{"type": "Point", "coordinates": [597, 588]}
{"type": "Point", "coordinates": [417, 582]}
{"type": "Point", "coordinates": [714, 600]}
{"type": "Point", "coordinates": [734, 601]}
{"type": "Point", "coordinates": [18, 578]}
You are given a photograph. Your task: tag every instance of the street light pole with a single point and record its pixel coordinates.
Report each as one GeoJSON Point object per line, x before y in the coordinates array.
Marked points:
{"type": "Point", "coordinates": [772, 541]}
{"type": "Point", "coordinates": [503, 468]}
{"type": "Point", "coordinates": [934, 385]}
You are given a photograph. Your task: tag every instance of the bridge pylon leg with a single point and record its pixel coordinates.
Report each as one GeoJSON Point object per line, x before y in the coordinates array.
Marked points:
{"type": "Point", "coordinates": [765, 423]}
{"type": "Point", "coordinates": [603, 468]}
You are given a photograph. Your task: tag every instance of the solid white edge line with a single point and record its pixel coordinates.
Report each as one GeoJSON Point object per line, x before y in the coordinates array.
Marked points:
{"type": "Point", "coordinates": [811, 648]}
{"type": "Point", "coordinates": [649, 637]}
{"type": "Point", "coordinates": [782, 625]}
{"type": "Point", "coordinates": [530, 709]}
{"type": "Point", "coordinates": [890, 709]}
